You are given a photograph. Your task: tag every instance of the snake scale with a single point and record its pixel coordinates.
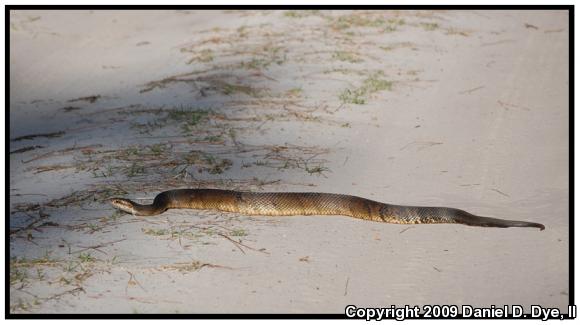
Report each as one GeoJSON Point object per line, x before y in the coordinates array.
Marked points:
{"type": "Point", "coordinates": [293, 203]}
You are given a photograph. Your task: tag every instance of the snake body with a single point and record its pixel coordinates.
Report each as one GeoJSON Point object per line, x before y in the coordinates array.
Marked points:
{"type": "Point", "coordinates": [291, 203]}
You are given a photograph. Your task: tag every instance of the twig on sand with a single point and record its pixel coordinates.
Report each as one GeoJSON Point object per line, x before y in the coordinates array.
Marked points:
{"type": "Point", "coordinates": [51, 153]}
{"type": "Point", "coordinates": [73, 292]}
{"type": "Point", "coordinates": [25, 149]}
{"type": "Point", "coordinates": [191, 266]}
{"type": "Point", "coordinates": [402, 231]}
{"type": "Point", "coordinates": [500, 192]}
{"type": "Point", "coordinates": [240, 244]}
{"type": "Point", "coordinates": [90, 99]}
{"type": "Point", "coordinates": [469, 91]}
{"type": "Point", "coordinates": [346, 285]}
{"type": "Point", "coordinates": [132, 281]}
{"type": "Point", "coordinates": [420, 145]}
{"type": "Point", "coordinates": [96, 247]}
{"type": "Point", "coordinates": [43, 135]}
{"type": "Point", "coordinates": [234, 242]}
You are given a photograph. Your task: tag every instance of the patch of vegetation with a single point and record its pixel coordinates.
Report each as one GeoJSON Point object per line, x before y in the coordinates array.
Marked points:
{"type": "Point", "coordinates": [157, 149]}
{"type": "Point", "coordinates": [20, 269]}
{"type": "Point", "coordinates": [86, 258]}
{"type": "Point", "coordinates": [213, 138]}
{"type": "Point", "coordinates": [375, 83]}
{"type": "Point", "coordinates": [230, 89]}
{"type": "Point", "coordinates": [25, 262]}
{"type": "Point", "coordinates": [255, 63]}
{"type": "Point", "coordinates": [316, 170]}
{"type": "Point", "coordinates": [357, 20]}
{"type": "Point", "coordinates": [301, 13]}
{"type": "Point", "coordinates": [188, 267]}
{"type": "Point", "coordinates": [370, 85]}
{"type": "Point", "coordinates": [146, 128]}
{"type": "Point", "coordinates": [356, 96]}
{"type": "Point", "coordinates": [346, 57]}
{"type": "Point", "coordinates": [390, 29]}
{"type": "Point", "coordinates": [242, 31]}
{"type": "Point", "coordinates": [134, 170]}
{"type": "Point", "coordinates": [345, 71]}
{"type": "Point", "coordinates": [294, 92]}
{"type": "Point", "coordinates": [94, 228]}
{"type": "Point", "coordinates": [266, 57]}
{"type": "Point", "coordinates": [26, 272]}
{"type": "Point", "coordinates": [155, 232]}
{"type": "Point", "coordinates": [188, 116]}
{"type": "Point", "coordinates": [429, 26]}
{"type": "Point", "coordinates": [397, 46]}
{"type": "Point", "coordinates": [396, 21]}
{"type": "Point", "coordinates": [208, 162]}
{"type": "Point", "coordinates": [238, 233]}
{"type": "Point", "coordinates": [365, 20]}
{"type": "Point", "coordinates": [17, 276]}
{"type": "Point", "coordinates": [131, 151]}
{"type": "Point", "coordinates": [453, 31]}
{"type": "Point", "coordinates": [204, 56]}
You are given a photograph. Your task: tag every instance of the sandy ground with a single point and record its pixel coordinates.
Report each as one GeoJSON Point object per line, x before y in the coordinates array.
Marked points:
{"type": "Point", "coordinates": [461, 109]}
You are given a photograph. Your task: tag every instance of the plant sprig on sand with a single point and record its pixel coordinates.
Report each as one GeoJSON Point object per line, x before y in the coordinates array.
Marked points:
{"type": "Point", "coordinates": [371, 85]}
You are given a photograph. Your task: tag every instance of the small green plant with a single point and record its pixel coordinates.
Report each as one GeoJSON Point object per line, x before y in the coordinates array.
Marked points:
{"type": "Point", "coordinates": [218, 168]}
{"type": "Point", "coordinates": [396, 21]}
{"type": "Point", "coordinates": [94, 227]}
{"type": "Point", "coordinates": [294, 92]}
{"type": "Point", "coordinates": [40, 274]}
{"type": "Point", "coordinates": [269, 55]}
{"type": "Point", "coordinates": [238, 233]}
{"type": "Point", "coordinates": [346, 57]}
{"type": "Point", "coordinates": [349, 96]}
{"type": "Point", "coordinates": [429, 26]}
{"type": "Point", "coordinates": [65, 281]}
{"type": "Point", "coordinates": [357, 20]}
{"type": "Point", "coordinates": [255, 64]}
{"type": "Point", "coordinates": [189, 117]}
{"type": "Point", "coordinates": [374, 84]}
{"type": "Point", "coordinates": [208, 162]}
{"type": "Point", "coordinates": [155, 232]}
{"type": "Point", "coordinates": [135, 169]}
{"type": "Point", "coordinates": [17, 276]}
{"type": "Point", "coordinates": [390, 29]}
{"type": "Point", "coordinates": [213, 138]}
{"type": "Point", "coordinates": [242, 31]}
{"type": "Point", "coordinates": [370, 85]}
{"type": "Point", "coordinates": [157, 149]}
{"type": "Point", "coordinates": [131, 151]}
{"type": "Point", "coordinates": [230, 89]}
{"type": "Point", "coordinates": [86, 258]}
{"type": "Point", "coordinates": [300, 13]}
{"type": "Point", "coordinates": [316, 170]}
{"type": "Point", "coordinates": [205, 55]}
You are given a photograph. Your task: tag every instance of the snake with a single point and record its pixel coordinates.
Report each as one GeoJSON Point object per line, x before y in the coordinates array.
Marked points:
{"type": "Point", "coordinates": [308, 203]}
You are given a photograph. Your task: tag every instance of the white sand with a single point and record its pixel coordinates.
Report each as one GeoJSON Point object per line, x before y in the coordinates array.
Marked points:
{"type": "Point", "coordinates": [477, 118]}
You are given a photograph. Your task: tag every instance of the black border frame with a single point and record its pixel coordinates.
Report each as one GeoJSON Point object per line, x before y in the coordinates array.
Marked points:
{"type": "Point", "coordinates": [8, 8]}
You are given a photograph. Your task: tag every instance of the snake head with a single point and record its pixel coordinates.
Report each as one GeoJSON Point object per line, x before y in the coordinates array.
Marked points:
{"type": "Point", "coordinates": [122, 204]}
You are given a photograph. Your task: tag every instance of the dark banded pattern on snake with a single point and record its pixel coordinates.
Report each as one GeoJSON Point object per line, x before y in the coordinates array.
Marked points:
{"type": "Point", "coordinates": [294, 203]}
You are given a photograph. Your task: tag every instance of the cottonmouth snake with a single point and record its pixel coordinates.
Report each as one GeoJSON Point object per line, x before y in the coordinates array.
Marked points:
{"type": "Point", "coordinates": [289, 203]}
